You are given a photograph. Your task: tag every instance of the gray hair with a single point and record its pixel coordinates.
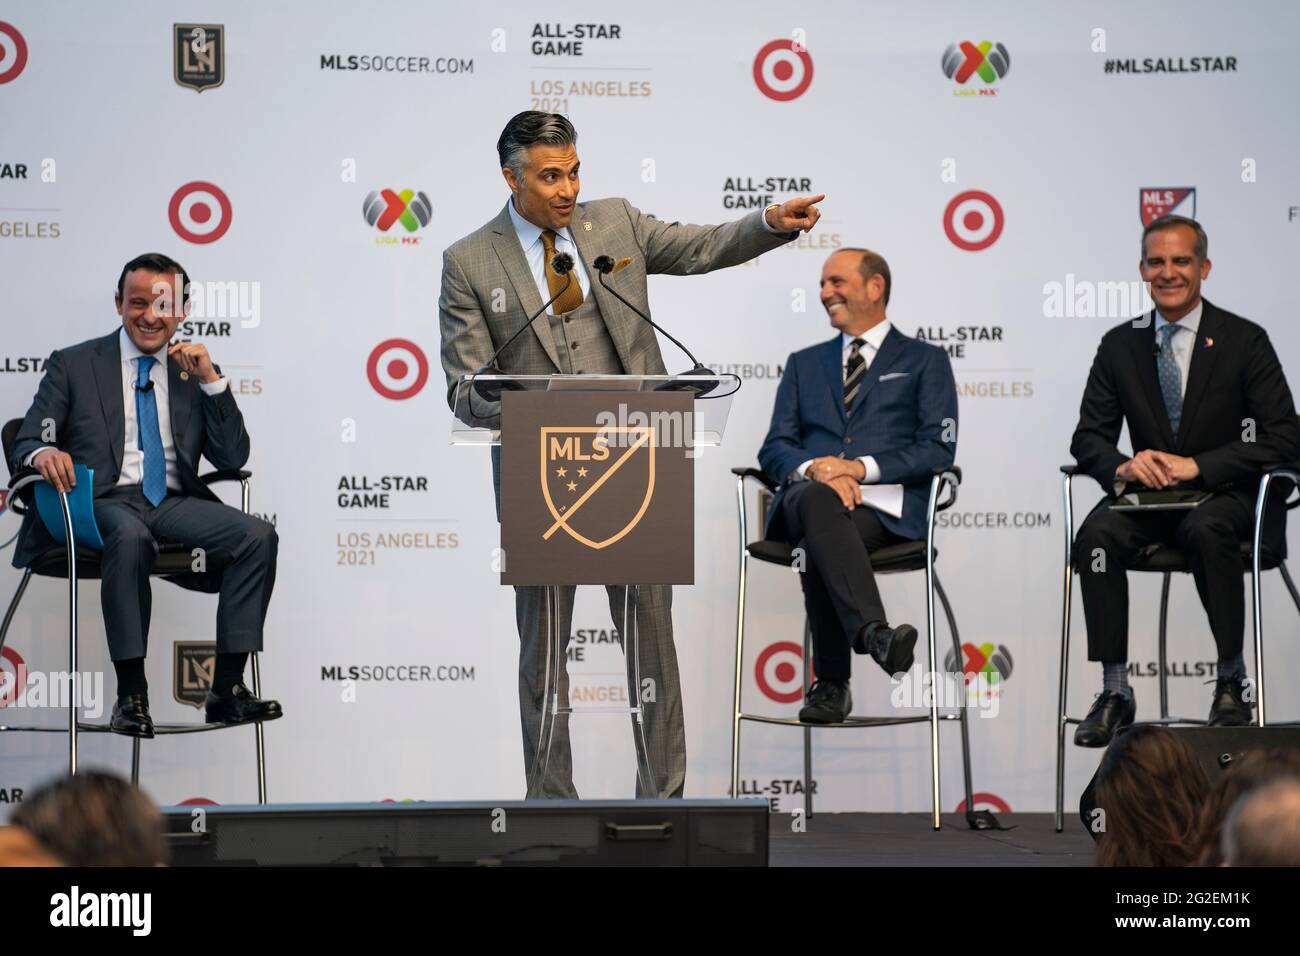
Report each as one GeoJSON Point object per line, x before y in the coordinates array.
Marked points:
{"type": "Point", "coordinates": [530, 128]}
{"type": "Point", "coordinates": [1172, 222]}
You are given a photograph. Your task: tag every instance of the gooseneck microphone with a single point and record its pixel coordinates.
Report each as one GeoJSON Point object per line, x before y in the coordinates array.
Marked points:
{"type": "Point", "coordinates": [561, 265]}
{"type": "Point", "coordinates": [605, 265]}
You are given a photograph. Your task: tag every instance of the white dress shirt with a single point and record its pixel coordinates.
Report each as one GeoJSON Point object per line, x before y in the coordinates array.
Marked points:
{"type": "Point", "coordinates": [132, 456]}
{"type": "Point", "coordinates": [872, 339]}
{"type": "Point", "coordinates": [1182, 343]}
{"type": "Point", "coordinates": [530, 237]}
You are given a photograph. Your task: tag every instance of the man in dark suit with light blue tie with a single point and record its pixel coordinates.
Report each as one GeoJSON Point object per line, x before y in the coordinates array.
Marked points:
{"type": "Point", "coordinates": [140, 414]}
{"type": "Point", "coordinates": [870, 407]}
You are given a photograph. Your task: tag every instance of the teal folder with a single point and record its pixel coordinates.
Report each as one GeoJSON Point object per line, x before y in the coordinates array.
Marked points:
{"type": "Point", "coordinates": [81, 504]}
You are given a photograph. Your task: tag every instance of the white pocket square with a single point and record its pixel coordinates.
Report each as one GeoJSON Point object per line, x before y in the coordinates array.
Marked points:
{"type": "Point", "coordinates": [893, 375]}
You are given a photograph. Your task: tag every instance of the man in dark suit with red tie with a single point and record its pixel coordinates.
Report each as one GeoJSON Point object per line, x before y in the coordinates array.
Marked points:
{"type": "Point", "coordinates": [1208, 408]}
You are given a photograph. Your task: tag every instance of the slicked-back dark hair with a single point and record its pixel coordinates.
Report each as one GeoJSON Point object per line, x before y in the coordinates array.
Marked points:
{"type": "Point", "coordinates": [159, 263]}
{"type": "Point", "coordinates": [530, 128]}
{"type": "Point", "coordinates": [1173, 222]}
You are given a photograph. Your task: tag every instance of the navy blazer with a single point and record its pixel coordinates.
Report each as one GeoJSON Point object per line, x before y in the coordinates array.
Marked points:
{"type": "Point", "coordinates": [82, 394]}
{"type": "Point", "coordinates": [905, 416]}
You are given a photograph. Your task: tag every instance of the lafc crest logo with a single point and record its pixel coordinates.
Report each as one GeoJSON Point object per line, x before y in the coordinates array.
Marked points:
{"type": "Point", "coordinates": [199, 55]}
{"type": "Point", "coordinates": [598, 481]}
{"type": "Point", "coordinates": [192, 671]}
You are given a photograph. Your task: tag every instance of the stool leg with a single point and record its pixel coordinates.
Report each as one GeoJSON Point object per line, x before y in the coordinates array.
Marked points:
{"type": "Point", "coordinates": [632, 657]}
{"type": "Point", "coordinates": [965, 727]}
{"type": "Point", "coordinates": [740, 658]}
{"type": "Point", "coordinates": [934, 671]}
{"type": "Point", "coordinates": [1259, 638]}
{"type": "Point", "coordinates": [258, 735]}
{"type": "Point", "coordinates": [1066, 586]}
{"type": "Point", "coordinates": [807, 731]}
{"type": "Point", "coordinates": [13, 606]}
{"type": "Point", "coordinates": [1162, 647]}
{"type": "Point", "coordinates": [135, 761]}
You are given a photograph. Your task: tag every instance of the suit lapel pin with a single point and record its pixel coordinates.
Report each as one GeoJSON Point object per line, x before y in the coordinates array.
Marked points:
{"type": "Point", "coordinates": [1209, 342]}
{"type": "Point", "coordinates": [586, 226]}
{"type": "Point", "coordinates": [185, 376]}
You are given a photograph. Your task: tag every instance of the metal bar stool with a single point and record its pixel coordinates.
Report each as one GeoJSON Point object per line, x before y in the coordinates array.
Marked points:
{"type": "Point", "coordinates": [79, 562]}
{"type": "Point", "coordinates": [906, 556]}
{"type": "Point", "coordinates": [1167, 560]}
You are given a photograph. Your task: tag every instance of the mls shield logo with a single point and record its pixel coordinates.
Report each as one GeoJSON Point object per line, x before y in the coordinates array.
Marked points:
{"type": "Point", "coordinates": [1165, 201]}
{"type": "Point", "coordinates": [199, 55]}
{"type": "Point", "coordinates": [597, 481]}
{"type": "Point", "coordinates": [192, 671]}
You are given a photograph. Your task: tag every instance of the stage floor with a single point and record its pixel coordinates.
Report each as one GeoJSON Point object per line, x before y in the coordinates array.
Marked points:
{"type": "Point", "coordinates": [906, 839]}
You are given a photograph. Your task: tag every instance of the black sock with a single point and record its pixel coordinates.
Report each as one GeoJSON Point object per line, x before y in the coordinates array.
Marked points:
{"type": "Point", "coordinates": [130, 677]}
{"type": "Point", "coordinates": [228, 672]}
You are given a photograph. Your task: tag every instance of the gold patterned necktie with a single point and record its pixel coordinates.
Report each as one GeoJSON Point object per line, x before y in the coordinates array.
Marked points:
{"type": "Point", "coordinates": [572, 297]}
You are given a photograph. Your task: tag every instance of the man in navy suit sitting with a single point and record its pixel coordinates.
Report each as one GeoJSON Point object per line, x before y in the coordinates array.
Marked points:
{"type": "Point", "coordinates": [870, 407]}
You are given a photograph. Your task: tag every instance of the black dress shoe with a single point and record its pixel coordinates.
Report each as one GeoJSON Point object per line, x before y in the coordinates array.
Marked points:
{"type": "Point", "coordinates": [1230, 708]}
{"type": "Point", "coordinates": [829, 702]}
{"type": "Point", "coordinates": [1111, 711]}
{"type": "Point", "coordinates": [239, 707]}
{"type": "Point", "coordinates": [131, 716]}
{"type": "Point", "coordinates": [890, 647]}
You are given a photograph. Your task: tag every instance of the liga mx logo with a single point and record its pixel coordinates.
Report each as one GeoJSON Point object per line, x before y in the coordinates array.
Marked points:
{"type": "Point", "coordinates": [384, 207]}
{"type": "Point", "coordinates": [199, 55]}
{"type": "Point", "coordinates": [13, 52]}
{"type": "Point", "coordinates": [783, 70]}
{"type": "Point", "coordinates": [992, 660]}
{"type": "Point", "coordinates": [1157, 201]}
{"type": "Point", "coordinates": [199, 212]}
{"type": "Point", "coordinates": [988, 60]}
{"type": "Point", "coordinates": [581, 462]}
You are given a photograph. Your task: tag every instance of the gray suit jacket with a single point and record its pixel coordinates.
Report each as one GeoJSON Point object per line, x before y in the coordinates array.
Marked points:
{"type": "Point", "coordinates": [487, 268]}
{"type": "Point", "coordinates": [81, 394]}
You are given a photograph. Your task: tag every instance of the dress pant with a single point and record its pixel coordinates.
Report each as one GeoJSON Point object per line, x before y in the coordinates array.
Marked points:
{"type": "Point", "coordinates": [132, 529]}
{"type": "Point", "coordinates": [1109, 542]}
{"type": "Point", "coordinates": [665, 729]}
{"type": "Point", "coordinates": [839, 586]}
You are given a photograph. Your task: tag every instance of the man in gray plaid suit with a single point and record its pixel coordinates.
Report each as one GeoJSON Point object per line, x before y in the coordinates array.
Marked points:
{"type": "Point", "coordinates": [494, 279]}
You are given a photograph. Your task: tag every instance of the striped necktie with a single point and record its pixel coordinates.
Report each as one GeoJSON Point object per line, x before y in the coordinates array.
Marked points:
{"type": "Point", "coordinates": [854, 370]}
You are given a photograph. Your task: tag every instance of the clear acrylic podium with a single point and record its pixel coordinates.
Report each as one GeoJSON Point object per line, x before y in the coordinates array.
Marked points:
{"type": "Point", "coordinates": [477, 404]}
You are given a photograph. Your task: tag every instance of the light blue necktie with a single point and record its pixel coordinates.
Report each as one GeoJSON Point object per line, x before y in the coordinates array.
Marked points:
{"type": "Point", "coordinates": [146, 416]}
{"type": "Point", "coordinates": [1171, 379]}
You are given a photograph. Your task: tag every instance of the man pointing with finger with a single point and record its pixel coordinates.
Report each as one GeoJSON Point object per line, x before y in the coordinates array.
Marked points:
{"type": "Point", "coordinates": [498, 276]}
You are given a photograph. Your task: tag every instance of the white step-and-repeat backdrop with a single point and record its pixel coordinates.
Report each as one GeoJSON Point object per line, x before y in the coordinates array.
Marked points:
{"type": "Point", "coordinates": [1002, 156]}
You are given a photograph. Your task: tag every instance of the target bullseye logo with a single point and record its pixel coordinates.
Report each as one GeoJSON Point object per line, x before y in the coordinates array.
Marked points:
{"type": "Point", "coordinates": [199, 212]}
{"type": "Point", "coordinates": [973, 220]}
{"type": "Point", "coordinates": [783, 70]}
{"type": "Point", "coordinates": [13, 52]}
{"type": "Point", "coordinates": [984, 801]}
{"type": "Point", "coordinates": [779, 672]}
{"type": "Point", "coordinates": [13, 676]}
{"type": "Point", "coordinates": [397, 369]}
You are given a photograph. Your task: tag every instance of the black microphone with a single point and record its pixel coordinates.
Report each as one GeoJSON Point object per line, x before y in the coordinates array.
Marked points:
{"type": "Point", "coordinates": [146, 387]}
{"type": "Point", "coordinates": [561, 265]}
{"type": "Point", "coordinates": [604, 265]}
